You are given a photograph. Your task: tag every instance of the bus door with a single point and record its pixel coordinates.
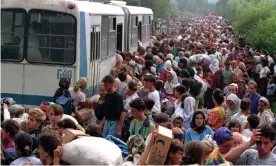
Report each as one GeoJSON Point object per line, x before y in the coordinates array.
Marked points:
{"type": "Point", "coordinates": [94, 65]}
{"type": "Point", "coordinates": [119, 37]}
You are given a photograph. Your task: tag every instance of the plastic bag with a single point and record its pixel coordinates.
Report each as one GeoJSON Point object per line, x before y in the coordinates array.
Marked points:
{"type": "Point", "coordinates": [92, 151]}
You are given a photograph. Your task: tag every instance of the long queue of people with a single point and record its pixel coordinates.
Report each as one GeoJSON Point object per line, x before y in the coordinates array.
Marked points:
{"type": "Point", "coordinates": [216, 96]}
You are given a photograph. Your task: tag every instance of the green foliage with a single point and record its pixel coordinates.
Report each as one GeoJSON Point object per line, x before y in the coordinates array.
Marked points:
{"type": "Point", "coordinates": [263, 35]}
{"type": "Point", "coordinates": [255, 19]}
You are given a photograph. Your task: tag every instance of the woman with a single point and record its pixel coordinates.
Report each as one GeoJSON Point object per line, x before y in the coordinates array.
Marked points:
{"type": "Point", "coordinates": [265, 114]}
{"type": "Point", "coordinates": [195, 153]}
{"type": "Point", "coordinates": [23, 143]}
{"type": "Point", "coordinates": [243, 114]}
{"type": "Point", "coordinates": [232, 102]}
{"type": "Point", "coordinates": [99, 107]}
{"type": "Point", "coordinates": [47, 143]}
{"type": "Point", "coordinates": [178, 92]}
{"type": "Point", "coordinates": [9, 129]}
{"type": "Point", "coordinates": [198, 129]}
{"type": "Point", "coordinates": [225, 141]}
{"type": "Point", "coordinates": [64, 84]}
{"type": "Point", "coordinates": [78, 91]}
{"type": "Point", "coordinates": [236, 76]}
{"type": "Point", "coordinates": [217, 116]}
{"type": "Point", "coordinates": [171, 83]}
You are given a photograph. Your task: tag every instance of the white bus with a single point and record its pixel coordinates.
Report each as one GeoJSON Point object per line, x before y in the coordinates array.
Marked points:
{"type": "Point", "coordinates": [42, 41]}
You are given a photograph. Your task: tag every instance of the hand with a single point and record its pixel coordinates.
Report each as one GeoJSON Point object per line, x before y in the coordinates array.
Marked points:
{"type": "Point", "coordinates": [153, 138]}
{"type": "Point", "coordinates": [255, 136]}
{"type": "Point", "coordinates": [58, 152]}
{"type": "Point", "coordinates": [119, 132]}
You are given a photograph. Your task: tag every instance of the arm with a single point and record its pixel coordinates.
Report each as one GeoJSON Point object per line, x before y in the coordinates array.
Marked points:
{"type": "Point", "coordinates": [235, 153]}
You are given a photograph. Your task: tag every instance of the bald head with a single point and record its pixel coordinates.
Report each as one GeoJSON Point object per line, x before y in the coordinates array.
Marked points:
{"type": "Point", "coordinates": [237, 138]}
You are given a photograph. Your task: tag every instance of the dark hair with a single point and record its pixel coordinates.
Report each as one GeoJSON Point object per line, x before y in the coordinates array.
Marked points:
{"type": "Point", "coordinates": [218, 96]}
{"type": "Point", "coordinates": [245, 104]}
{"type": "Point", "coordinates": [122, 76]}
{"type": "Point", "coordinates": [67, 124]}
{"type": "Point", "coordinates": [64, 82]}
{"type": "Point", "coordinates": [268, 132]}
{"type": "Point", "coordinates": [49, 142]}
{"type": "Point", "coordinates": [191, 71]}
{"type": "Point", "coordinates": [195, 88]}
{"type": "Point", "coordinates": [132, 85]}
{"type": "Point", "coordinates": [11, 127]}
{"type": "Point", "coordinates": [149, 57]}
{"type": "Point", "coordinates": [176, 145]}
{"type": "Point", "coordinates": [253, 121]}
{"type": "Point", "coordinates": [93, 130]}
{"type": "Point", "coordinates": [150, 78]}
{"type": "Point", "coordinates": [159, 85]}
{"type": "Point", "coordinates": [234, 123]}
{"type": "Point", "coordinates": [184, 61]}
{"type": "Point", "coordinates": [180, 89]}
{"type": "Point", "coordinates": [108, 79]}
{"type": "Point", "coordinates": [23, 142]}
{"type": "Point", "coordinates": [194, 151]}
{"type": "Point", "coordinates": [149, 103]}
{"type": "Point", "coordinates": [161, 118]}
{"type": "Point", "coordinates": [138, 104]}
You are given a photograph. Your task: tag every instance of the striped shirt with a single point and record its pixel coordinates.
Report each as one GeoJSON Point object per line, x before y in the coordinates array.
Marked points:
{"type": "Point", "coordinates": [251, 157]}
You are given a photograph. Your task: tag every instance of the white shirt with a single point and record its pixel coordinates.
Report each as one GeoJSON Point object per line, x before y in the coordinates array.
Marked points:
{"type": "Point", "coordinates": [156, 98]}
{"type": "Point", "coordinates": [264, 72]}
{"type": "Point", "coordinates": [128, 100]}
{"type": "Point", "coordinates": [77, 96]}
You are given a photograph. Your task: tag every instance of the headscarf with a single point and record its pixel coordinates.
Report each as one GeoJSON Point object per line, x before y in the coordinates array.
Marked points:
{"type": "Point", "coordinates": [221, 134]}
{"type": "Point", "coordinates": [196, 128]}
{"type": "Point", "coordinates": [242, 67]}
{"type": "Point", "coordinates": [136, 146]}
{"type": "Point", "coordinates": [265, 100]}
{"type": "Point", "coordinates": [64, 82]}
{"type": "Point", "coordinates": [168, 65]}
{"type": "Point", "coordinates": [169, 86]}
{"type": "Point", "coordinates": [234, 98]}
{"type": "Point", "coordinates": [189, 106]}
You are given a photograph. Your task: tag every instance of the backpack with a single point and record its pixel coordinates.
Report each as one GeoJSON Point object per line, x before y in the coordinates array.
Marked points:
{"type": "Point", "coordinates": [66, 103]}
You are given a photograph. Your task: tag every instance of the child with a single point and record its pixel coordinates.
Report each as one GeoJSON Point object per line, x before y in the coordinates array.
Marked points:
{"type": "Point", "coordinates": [55, 114]}
{"type": "Point", "coordinates": [234, 125]}
{"type": "Point", "coordinates": [140, 124]}
{"type": "Point", "coordinates": [34, 121]}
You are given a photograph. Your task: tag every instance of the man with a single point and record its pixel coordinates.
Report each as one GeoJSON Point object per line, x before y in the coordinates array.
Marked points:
{"type": "Point", "coordinates": [264, 140]}
{"type": "Point", "coordinates": [253, 96]}
{"type": "Point", "coordinates": [140, 124]}
{"type": "Point", "coordinates": [113, 110]}
{"type": "Point", "coordinates": [149, 82]}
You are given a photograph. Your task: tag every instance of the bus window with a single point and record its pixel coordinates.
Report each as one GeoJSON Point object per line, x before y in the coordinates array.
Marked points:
{"type": "Point", "coordinates": [112, 36]}
{"type": "Point", "coordinates": [12, 34]}
{"type": "Point", "coordinates": [51, 37]}
{"type": "Point", "coordinates": [104, 37]}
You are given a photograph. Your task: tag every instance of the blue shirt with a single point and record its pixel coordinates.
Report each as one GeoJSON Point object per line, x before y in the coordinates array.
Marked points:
{"type": "Point", "coordinates": [254, 102]}
{"type": "Point", "coordinates": [192, 135]}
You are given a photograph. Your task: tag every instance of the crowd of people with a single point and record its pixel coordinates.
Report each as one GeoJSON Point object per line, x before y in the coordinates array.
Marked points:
{"type": "Point", "coordinates": [216, 95]}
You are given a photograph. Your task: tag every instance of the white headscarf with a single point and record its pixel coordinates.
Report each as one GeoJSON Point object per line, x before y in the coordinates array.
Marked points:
{"type": "Point", "coordinates": [189, 106]}
{"type": "Point", "coordinates": [169, 86]}
{"type": "Point", "coordinates": [168, 65]}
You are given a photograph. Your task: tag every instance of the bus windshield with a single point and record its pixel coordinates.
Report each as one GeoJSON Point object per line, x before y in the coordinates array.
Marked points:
{"type": "Point", "coordinates": [46, 36]}
{"type": "Point", "coordinates": [12, 34]}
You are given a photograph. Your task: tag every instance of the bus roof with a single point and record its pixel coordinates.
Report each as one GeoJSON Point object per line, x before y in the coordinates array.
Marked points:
{"type": "Point", "coordinates": [138, 10]}
{"type": "Point", "coordinates": [62, 6]}
{"type": "Point", "coordinates": [99, 8]}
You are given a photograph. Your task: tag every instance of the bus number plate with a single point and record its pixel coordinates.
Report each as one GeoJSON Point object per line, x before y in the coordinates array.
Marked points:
{"type": "Point", "coordinates": [64, 73]}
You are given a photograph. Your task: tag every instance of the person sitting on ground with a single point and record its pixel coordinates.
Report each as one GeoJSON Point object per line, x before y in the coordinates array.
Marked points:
{"type": "Point", "coordinates": [264, 140]}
